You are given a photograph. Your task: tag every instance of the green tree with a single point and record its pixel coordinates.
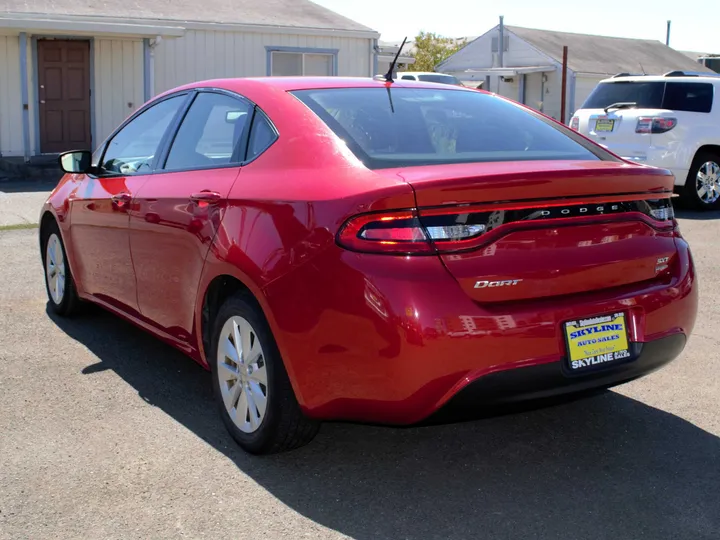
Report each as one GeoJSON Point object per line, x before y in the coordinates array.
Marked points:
{"type": "Point", "coordinates": [431, 49]}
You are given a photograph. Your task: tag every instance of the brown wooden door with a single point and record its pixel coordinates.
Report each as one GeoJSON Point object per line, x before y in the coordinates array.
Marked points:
{"type": "Point", "coordinates": [64, 93]}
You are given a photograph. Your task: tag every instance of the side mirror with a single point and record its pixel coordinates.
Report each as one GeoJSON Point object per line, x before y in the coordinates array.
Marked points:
{"type": "Point", "coordinates": [76, 161]}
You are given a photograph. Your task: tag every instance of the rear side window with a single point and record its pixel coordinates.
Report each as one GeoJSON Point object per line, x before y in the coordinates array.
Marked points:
{"type": "Point", "coordinates": [262, 136]}
{"type": "Point", "coordinates": [399, 127]}
{"type": "Point", "coordinates": [647, 95]}
{"type": "Point", "coordinates": [689, 97]}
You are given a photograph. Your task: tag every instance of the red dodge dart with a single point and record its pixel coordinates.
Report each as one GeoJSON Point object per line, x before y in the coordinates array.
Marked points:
{"type": "Point", "coordinates": [373, 251]}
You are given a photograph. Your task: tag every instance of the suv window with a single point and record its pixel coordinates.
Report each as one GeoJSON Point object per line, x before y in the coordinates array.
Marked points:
{"type": "Point", "coordinates": [690, 97]}
{"type": "Point", "coordinates": [647, 95]}
{"type": "Point", "coordinates": [438, 78]}
{"type": "Point", "coordinates": [676, 96]}
{"type": "Point", "coordinates": [408, 126]}
{"type": "Point", "coordinates": [133, 148]}
{"type": "Point", "coordinates": [209, 133]}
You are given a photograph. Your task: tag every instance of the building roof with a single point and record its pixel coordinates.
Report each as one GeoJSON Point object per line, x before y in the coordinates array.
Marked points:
{"type": "Point", "coordinates": [289, 13]}
{"type": "Point", "coordinates": [603, 55]}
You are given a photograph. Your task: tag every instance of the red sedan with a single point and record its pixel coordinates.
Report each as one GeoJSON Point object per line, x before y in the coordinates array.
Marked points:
{"type": "Point", "coordinates": [371, 251]}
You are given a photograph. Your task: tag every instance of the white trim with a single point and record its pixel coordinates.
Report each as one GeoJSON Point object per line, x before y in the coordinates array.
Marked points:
{"type": "Point", "coordinates": [45, 25]}
{"type": "Point", "coordinates": [26, 20]}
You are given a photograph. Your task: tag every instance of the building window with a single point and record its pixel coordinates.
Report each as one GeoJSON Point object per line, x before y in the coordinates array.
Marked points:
{"type": "Point", "coordinates": [298, 63]}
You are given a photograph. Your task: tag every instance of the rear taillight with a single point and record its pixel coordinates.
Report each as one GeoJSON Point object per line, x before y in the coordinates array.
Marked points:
{"type": "Point", "coordinates": [445, 230]}
{"type": "Point", "coordinates": [575, 123]}
{"type": "Point", "coordinates": [655, 124]}
{"type": "Point", "coordinates": [391, 233]}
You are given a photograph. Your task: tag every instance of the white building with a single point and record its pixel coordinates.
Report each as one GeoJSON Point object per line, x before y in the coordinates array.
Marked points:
{"type": "Point", "coordinates": [531, 68]}
{"type": "Point", "coordinates": [71, 71]}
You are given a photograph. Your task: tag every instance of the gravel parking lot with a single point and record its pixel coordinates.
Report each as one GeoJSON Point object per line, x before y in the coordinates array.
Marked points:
{"type": "Point", "coordinates": [107, 433]}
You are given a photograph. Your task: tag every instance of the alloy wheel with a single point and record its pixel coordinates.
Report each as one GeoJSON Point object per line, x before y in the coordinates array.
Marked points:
{"type": "Point", "coordinates": [242, 374]}
{"type": "Point", "coordinates": [55, 268]}
{"type": "Point", "coordinates": [707, 182]}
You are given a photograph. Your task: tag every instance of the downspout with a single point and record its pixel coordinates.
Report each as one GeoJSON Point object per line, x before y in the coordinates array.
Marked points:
{"type": "Point", "coordinates": [149, 65]}
{"type": "Point", "coordinates": [375, 49]}
{"type": "Point", "coordinates": [571, 98]}
{"type": "Point", "coordinates": [501, 49]}
{"type": "Point", "coordinates": [24, 96]}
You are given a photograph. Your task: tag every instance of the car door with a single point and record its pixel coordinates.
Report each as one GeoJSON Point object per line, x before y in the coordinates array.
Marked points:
{"type": "Point", "coordinates": [177, 212]}
{"type": "Point", "coordinates": [99, 206]}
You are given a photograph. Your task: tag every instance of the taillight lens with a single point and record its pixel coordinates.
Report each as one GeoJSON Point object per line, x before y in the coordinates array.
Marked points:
{"type": "Point", "coordinates": [575, 123]}
{"type": "Point", "coordinates": [391, 233]}
{"type": "Point", "coordinates": [655, 124]}
{"type": "Point", "coordinates": [445, 230]}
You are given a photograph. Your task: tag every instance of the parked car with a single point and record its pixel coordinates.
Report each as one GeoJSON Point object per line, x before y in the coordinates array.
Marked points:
{"type": "Point", "coordinates": [371, 251]}
{"type": "Point", "coordinates": [428, 76]}
{"type": "Point", "coordinates": [670, 121]}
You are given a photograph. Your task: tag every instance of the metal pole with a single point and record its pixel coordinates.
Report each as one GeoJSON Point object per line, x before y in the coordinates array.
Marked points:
{"type": "Point", "coordinates": [667, 36]}
{"type": "Point", "coordinates": [564, 84]}
{"type": "Point", "coordinates": [501, 42]}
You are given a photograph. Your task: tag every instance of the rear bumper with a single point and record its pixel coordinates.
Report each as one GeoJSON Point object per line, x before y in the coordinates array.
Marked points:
{"type": "Point", "coordinates": [548, 380]}
{"type": "Point", "coordinates": [392, 340]}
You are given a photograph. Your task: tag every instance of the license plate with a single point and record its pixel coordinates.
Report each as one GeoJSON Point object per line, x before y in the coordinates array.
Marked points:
{"type": "Point", "coordinates": [596, 342]}
{"type": "Point", "coordinates": [604, 124]}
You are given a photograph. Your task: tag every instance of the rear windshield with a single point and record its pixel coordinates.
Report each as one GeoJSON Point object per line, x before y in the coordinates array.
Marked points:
{"type": "Point", "coordinates": [437, 78]}
{"type": "Point", "coordinates": [676, 96]}
{"type": "Point", "coordinates": [399, 127]}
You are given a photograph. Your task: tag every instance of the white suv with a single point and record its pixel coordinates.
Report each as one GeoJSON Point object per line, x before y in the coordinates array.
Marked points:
{"type": "Point", "coordinates": [428, 76]}
{"type": "Point", "coordinates": [670, 121]}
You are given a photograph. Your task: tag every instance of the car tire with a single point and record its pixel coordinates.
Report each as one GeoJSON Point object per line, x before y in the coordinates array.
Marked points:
{"type": "Point", "coordinates": [694, 194]}
{"type": "Point", "coordinates": [59, 282]}
{"type": "Point", "coordinates": [262, 414]}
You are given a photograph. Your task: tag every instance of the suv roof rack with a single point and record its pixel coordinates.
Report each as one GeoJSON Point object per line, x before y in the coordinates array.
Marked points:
{"type": "Point", "coordinates": [680, 73]}
{"type": "Point", "coordinates": [622, 75]}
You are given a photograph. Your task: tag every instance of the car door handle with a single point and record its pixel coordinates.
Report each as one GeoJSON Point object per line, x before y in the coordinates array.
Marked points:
{"type": "Point", "coordinates": [207, 197]}
{"type": "Point", "coordinates": [122, 199]}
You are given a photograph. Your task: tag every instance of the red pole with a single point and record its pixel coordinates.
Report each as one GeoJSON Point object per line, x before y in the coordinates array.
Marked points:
{"type": "Point", "coordinates": [564, 84]}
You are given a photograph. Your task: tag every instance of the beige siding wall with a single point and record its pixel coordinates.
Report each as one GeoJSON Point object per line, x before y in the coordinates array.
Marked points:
{"type": "Point", "coordinates": [203, 55]}
{"type": "Point", "coordinates": [11, 135]}
{"type": "Point", "coordinates": [584, 84]}
{"type": "Point", "coordinates": [119, 83]}
{"type": "Point", "coordinates": [118, 76]}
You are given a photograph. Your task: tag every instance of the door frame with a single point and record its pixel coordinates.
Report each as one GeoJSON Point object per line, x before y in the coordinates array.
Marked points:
{"type": "Point", "coordinates": [36, 87]}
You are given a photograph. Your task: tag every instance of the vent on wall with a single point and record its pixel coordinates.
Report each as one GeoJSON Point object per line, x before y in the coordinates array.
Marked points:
{"type": "Point", "coordinates": [494, 46]}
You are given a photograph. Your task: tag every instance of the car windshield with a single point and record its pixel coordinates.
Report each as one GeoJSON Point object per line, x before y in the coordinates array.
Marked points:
{"type": "Point", "coordinates": [399, 127]}
{"type": "Point", "coordinates": [439, 78]}
{"type": "Point", "coordinates": [647, 95]}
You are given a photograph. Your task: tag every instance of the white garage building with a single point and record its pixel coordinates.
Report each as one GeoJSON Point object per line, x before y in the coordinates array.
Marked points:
{"type": "Point", "coordinates": [531, 68]}
{"type": "Point", "coordinates": [71, 71]}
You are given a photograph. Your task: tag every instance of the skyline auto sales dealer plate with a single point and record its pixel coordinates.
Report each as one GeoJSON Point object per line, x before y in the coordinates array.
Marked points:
{"type": "Point", "coordinates": [597, 341]}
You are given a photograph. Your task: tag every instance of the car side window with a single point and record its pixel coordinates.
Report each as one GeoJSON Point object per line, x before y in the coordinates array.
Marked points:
{"type": "Point", "coordinates": [210, 133]}
{"type": "Point", "coordinates": [408, 77]}
{"type": "Point", "coordinates": [262, 136]}
{"type": "Point", "coordinates": [133, 148]}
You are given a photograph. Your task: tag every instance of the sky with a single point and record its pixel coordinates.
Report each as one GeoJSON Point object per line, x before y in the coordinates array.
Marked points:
{"type": "Point", "coordinates": [694, 25]}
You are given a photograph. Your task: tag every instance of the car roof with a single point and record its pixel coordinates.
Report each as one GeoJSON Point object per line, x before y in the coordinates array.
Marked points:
{"type": "Point", "coordinates": [307, 83]}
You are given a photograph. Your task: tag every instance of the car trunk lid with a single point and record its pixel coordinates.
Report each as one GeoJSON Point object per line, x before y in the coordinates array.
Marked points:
{"type": "Point", "coordinates": [548, 228]}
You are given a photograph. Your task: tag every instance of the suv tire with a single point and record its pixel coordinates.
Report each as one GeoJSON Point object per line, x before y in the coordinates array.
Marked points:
{"type": "Point", "coordinates": [703, 192]}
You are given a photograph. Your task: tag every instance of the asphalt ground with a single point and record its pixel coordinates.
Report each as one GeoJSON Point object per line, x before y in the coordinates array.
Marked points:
{"type": "Point", "coordinates": [107, 433]}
